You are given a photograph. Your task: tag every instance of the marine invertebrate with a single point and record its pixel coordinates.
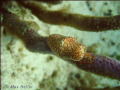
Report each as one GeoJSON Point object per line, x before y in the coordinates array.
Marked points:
{"type": "Point", "coordinates": [34, 42]}
{"type": "Point", "coordinates": [102, 65]}
{"type": "Point", "coordinates": [51, 2]}
{"type": "Point", "coordinates": [78, 21]}
{"type": "Point", "coordinates": [69, 48]}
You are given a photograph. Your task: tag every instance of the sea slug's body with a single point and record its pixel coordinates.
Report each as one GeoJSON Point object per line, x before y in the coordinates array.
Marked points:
{"type": "Point", "coordinates": [68, 48]}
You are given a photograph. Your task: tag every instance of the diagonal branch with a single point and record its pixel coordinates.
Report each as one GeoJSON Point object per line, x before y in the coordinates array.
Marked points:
{"type": "Point", "coordinates": [102, 65]}
{"type": "Point", "coordinates": [78, 21]}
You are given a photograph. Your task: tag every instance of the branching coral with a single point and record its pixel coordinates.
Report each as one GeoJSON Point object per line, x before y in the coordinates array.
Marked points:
{"type": "Point", "coordinates": [101, 65]}
{"type": "Point", "coordinates": [34, 42]}
{"type": "Point", "coordinates": [78, 21]}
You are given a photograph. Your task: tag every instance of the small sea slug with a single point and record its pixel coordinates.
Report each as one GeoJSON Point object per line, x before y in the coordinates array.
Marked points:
{"type": "Point", "coordinates": [69, 48]}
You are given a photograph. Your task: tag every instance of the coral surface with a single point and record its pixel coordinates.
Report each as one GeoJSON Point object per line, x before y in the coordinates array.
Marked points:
{"type": "Point", "coordinates": [26, 70]}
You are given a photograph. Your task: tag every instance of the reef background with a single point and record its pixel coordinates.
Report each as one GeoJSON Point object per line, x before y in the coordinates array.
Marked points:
{"type": "Point", "coordinates": [47, 72]}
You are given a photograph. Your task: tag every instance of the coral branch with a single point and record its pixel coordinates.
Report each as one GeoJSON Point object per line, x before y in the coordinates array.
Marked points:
{"type": "Point", "coordinates": [32, 40]}
{"type": "Point", "coordinates": [78, 21]}
{"type": "Point", "coordinates": [102, 65]}
{"type": "Point", "coordinates": [51, 2]}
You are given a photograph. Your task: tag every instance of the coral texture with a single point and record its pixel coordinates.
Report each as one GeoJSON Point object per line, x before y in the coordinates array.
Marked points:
{"type": "Point", "coordinates": [102, 65]}
{"type": "Point", "coordinates": [34, 42]}
{"type": "Point", "coordinates": [78, 21]}
{"type": "Point", "coordinates": [35, 59]}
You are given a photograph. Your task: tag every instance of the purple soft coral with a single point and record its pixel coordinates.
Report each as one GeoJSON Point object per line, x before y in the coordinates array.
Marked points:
{"type": "Point", "coordinates": [102, 65]}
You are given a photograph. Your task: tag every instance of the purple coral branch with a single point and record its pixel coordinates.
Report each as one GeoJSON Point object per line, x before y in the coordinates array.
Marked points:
{"type": "Point", "coordinates": [103, 65]}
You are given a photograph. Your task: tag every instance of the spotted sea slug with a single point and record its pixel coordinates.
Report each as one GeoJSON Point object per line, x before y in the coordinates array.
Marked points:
{"type": "Point", "coordinates": [69, 48]}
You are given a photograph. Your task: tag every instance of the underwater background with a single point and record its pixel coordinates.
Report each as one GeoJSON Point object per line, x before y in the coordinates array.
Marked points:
{"type": "Point", "coordinates": [25, 70]}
